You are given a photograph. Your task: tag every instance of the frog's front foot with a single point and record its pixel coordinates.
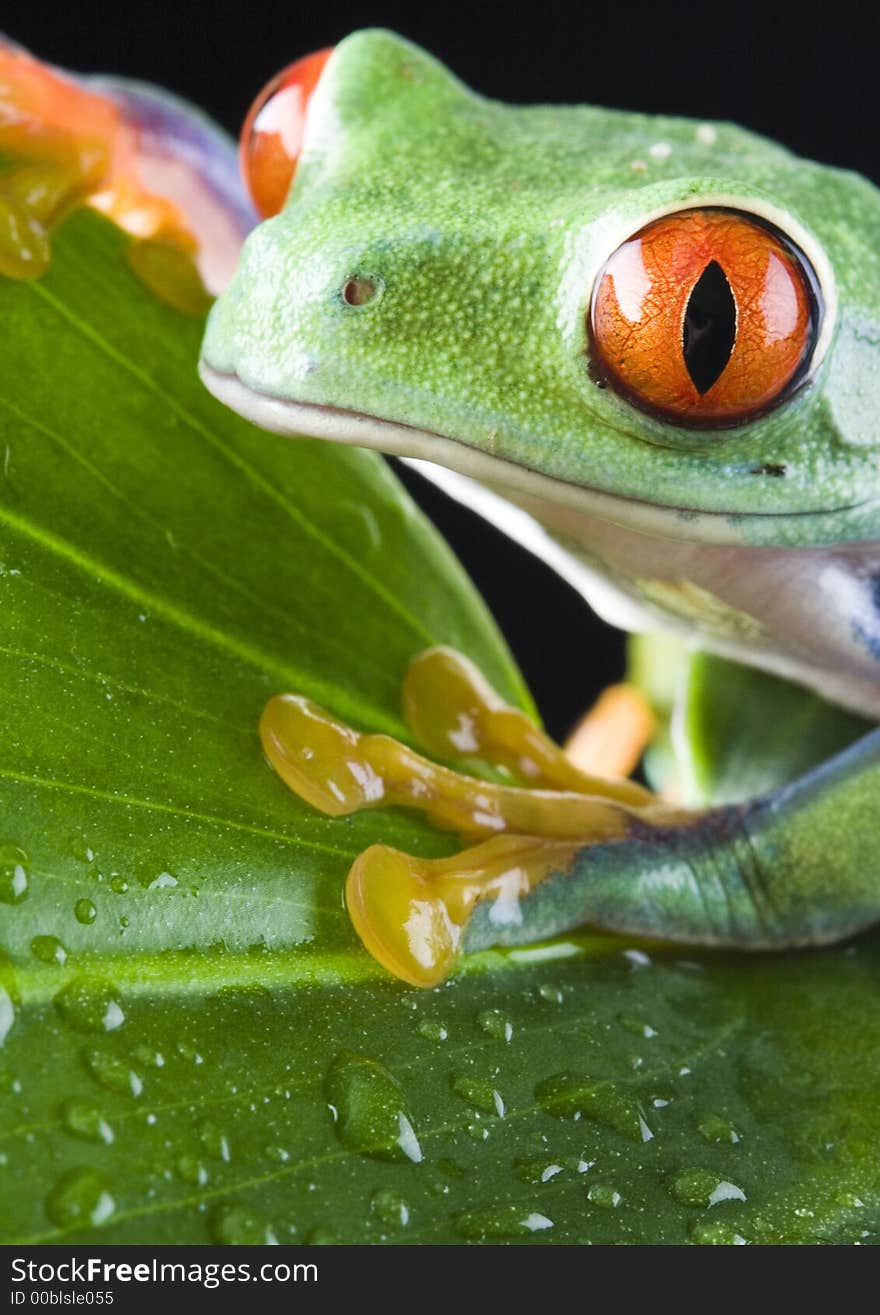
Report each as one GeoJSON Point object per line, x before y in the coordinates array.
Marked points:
{"type": "Point", "coordinates": [558, 847]}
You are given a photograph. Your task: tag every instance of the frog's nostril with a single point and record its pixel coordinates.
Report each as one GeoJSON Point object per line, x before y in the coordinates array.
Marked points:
{"type": "Point", "coordinates": [360, 289]}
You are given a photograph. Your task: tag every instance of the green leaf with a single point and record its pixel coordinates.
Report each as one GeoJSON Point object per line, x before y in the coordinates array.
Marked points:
{"type": "Point", "coordinates": [193, 1046]}
{"type": "Point", "coordinates": [748, 732]}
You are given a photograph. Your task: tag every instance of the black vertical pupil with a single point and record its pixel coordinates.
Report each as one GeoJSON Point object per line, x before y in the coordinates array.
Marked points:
{"type": "Point", "coordinates": [709, 329]}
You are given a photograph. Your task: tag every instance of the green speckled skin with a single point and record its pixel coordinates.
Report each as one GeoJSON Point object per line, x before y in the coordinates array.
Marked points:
{"type": "Point", "coordinates": [484, 227]}
{"type": "Point", "coordinates": [487, 225]}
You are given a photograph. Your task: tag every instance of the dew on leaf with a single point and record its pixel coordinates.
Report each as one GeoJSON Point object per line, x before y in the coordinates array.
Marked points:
{"type": "Point", "coordinates": [479, 1092]}
{"type": "Point", "coordinates": [14, 873]}
{"type": "Point", "coordinates": [113, 1073]}
{"type": "Point", "coordinates": [712, 1232]}
{"type": "Point", "coordinates": [537, 1171]}
{"type": "Point", "coordinates": [48, 949]}
{"type": "Point", "coordinates": [496, 1024]}
{"type": "Point", "coordinates": [371, 1113]}
{"type": "Point", "coordinates": [431, 1030]}
{"type": "Point", "coordinates": [700, 1187]}
{"type": "Point", "coordinates": [192, 1170]}
{"type": "Point", "coordinates": [637, 1026]}
{"type": "Point", "coordinates": [81, 850]}
{"type": "Point", "coordinates": [214, 1140]}
{"type": "Point", "coordinates": [575, 1095]}
{"type": "Point", "coordinates": [718, 1130]}
{"type": "Point", "coordinates": [89, 1005]}
{"type": "Point", "coordinates": [85, 912]}
{"type": "Point", "coordinates": [237, 1225]}
{"type": "Point", "coordinates": [7, 1013]}
{"type": "Point", "coordinates": [390, 1208]}
{"type": "Point", "coordinates": [502, 1221]}
{"type": "Point", "coordinates": [163, 881]}
{"type": "Point", "coordinates": [148, 1056]}
{"type": "Point", "coordinates": [322, 1237]}
{"type": "Point", "coordinates": [86, 1122]}
{"type": "Point", "coordinates": [603, 1195]}
{"type": "Point", "coordinates": [80, 1198]}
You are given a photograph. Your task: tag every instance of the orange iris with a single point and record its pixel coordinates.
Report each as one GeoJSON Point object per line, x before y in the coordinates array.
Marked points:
{"type": "Point", "coordinates": [705, 316]}
{"type": "Point", "coordinates": [272, 136]}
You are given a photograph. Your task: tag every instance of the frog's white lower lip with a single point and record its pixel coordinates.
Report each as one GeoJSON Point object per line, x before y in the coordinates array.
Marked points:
{"type": "Point", "coordinates": [527, 488]}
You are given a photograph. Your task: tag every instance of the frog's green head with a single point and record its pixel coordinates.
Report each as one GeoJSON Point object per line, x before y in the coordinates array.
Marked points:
{"type": "Point", "coordinates": [438, 285]}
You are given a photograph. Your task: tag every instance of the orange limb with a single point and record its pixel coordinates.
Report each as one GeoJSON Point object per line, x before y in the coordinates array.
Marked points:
{"type": "Point", "coordinates": [613, 735]}
{"type": "Point", "coordinates": [70, 146]}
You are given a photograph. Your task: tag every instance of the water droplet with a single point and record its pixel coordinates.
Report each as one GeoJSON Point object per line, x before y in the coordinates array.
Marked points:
{"type": "Point", "coordinates": [480, 1093]}
{"type": "Point", "coordinates": [164, 881]}
{"type": "Point", "coordinates": [700, 1187]}
{"type": "Point", "coordinates": [7, 1013]}
{"type": "Point", "coordinates": [371, 1114]}
{"type": "Point", "coordinates": [706, 1232]}
{"type": "Point", "coordinates": [602, 1195]}
{"type": "Point", "coordinates": [192, 1170]}
{"type": "Point", "coordinates": [551, 994]}
{"type": "Point", "coordinates": [495, 1023]}
{"type": "Point", "coordinates": [48, 949]}
{"type": "Point", "coordinates": [390, 1208]}
{"type": "Point", "coordinates": [715, 1129]}
{"type": "Point", "coordinates": [726, 1191]}
{"type": "Point", "coordinates": [113, 1073]}
{"type": "Point", "coordinates": [85, 912]}
{"type": "Point", "coordinates": [322, 1237]}
{"type": "Point", "coordinates": [215, 1141]}
{"type": "Point", "coordinates": [147, 1055]}
{"type": "Point", "coordinates": [637, 1026]}
{"type": "Point", "coordinates": [238, 1225]}
{"type": "Point", "coordinates": [477, 1131]}
{"type": "Point", "coordinates": [89, 1005]}
{"type": "Point", "coordinates": [504, 1221]}
{"type": "Point", "coordinates": [118, 884]}
{"type": "Point", "coordinates": [277, 1153]}
{"type": "Point", "coordinates": [86, 1122]}
{"type": "Point", "coordinates": [80, 1198]}
{"type": "Point", "coordinates": [537, 1171]}
{"type": "Point", "coordinates": [574, 1095]}
{"type": "Point", "coordinates": [637, 958]}
{"type": "Point", "coordinates": [694, 1187]}
{"type": "Point", "coordinates": [431, 1030]}
{"type": "Point", "coordinates": [81, 849]}
{"type": "Point", "coordinates": [14, 873]}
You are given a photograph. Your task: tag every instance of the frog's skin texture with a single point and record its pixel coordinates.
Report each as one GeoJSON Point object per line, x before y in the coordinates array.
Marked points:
{"type": "Point", "coordinates": [482, 229]}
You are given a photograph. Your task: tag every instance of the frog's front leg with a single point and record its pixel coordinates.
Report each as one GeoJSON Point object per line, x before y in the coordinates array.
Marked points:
{"type": "Point", "coordinates": [796, 867]}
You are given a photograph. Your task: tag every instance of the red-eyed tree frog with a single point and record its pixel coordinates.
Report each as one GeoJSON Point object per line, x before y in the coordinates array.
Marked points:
{"type": "Point", "coordinates": [648, 348]}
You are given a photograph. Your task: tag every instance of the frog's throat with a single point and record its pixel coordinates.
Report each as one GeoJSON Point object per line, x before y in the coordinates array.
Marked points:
{"type": "Point", "coordinates": [337, 425]}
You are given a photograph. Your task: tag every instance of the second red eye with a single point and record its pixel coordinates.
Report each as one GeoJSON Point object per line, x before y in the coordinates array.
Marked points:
{"type": "Point", "coordinates": [706, 317]}
{"type": "Point", "coordinates": [271, 139]}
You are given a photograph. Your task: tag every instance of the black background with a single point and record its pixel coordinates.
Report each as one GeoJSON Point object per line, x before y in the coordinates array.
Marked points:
{"type": "Point", "coordinates": [807, 75]}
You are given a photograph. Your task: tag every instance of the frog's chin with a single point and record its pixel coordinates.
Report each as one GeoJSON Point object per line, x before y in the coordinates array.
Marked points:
{"type": "Point", "coordinates": [466, 473]}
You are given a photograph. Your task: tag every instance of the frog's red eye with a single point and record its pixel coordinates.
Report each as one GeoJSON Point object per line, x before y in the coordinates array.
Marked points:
{"type": "Point", "coordinates": [271, 138]}
{"type": "Point", "coordinates": [706, 317]}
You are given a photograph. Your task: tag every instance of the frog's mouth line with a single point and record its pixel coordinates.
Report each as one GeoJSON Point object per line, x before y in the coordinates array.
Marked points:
{"type": "Point", "coordinates": [526, 487]}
